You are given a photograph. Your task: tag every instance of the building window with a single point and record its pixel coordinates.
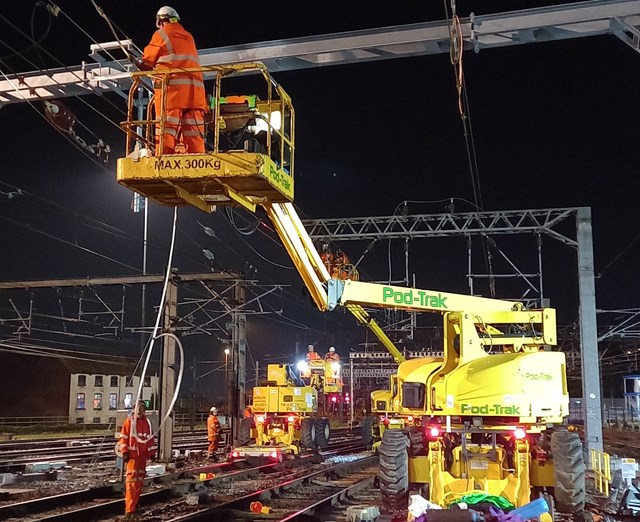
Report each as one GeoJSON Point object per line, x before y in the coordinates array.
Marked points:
{"type": "Point", "coordinates": [112, 421]}
{"type": "Point", "coordinates": [80, 404]}
{"type": "Point", "coordinates": [113, 401]}
{"type": "Point", "coordinates": [79, 420]}
{"type": "Point", "coordinates": [147, 382]}
{"type": "Point", "coordinates": [129, 382]}
{"type": "Point", "coordinates": [97, 380]}
{"type": "Point", "coordinates": [114, 381]}
{"type": "Point", "coordinates": [96, 420]}
{"type": "Point", "coordinates": [97, 401]}
{"type": "Point", "coordinates": [128, 400]}
{"type": "Point", "coordinates": [82, 380]}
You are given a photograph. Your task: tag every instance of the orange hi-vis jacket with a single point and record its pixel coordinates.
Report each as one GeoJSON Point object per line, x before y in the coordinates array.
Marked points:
{"type": "Point", "coordinates": [143, 445]}
{"type": "Point", "coordinates": [213, 427]}
{"type": "Point", "coordinates": [173, 47]}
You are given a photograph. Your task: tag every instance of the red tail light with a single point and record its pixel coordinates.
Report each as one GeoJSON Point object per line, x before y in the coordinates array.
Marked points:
{"type": "Point", "coordinates": [519, 433]}
{"type": "Point", "coordinates": [334, 399]}
{"type": "Point", "coordinates": [235, 454]}
{"type": "Point", "coordinates": [434, 432]}
{"type": "Point", "coordinates": [274, 454]}
{"type": "Point", "coordinates": [291, 418]}
{"type": "Point", "coordinates": [260, 418]}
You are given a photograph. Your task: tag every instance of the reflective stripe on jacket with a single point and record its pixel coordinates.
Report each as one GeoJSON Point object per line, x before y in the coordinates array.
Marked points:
{"type": "Point", "coordinates": [173, 47]}
{"type": "Point", "coordinates": [141, 446]}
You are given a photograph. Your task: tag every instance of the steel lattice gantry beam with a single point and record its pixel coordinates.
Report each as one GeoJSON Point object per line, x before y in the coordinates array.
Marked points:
{"type": "Point", "coordinates": [620, 18]}
{"type": "Point", "coordinates": [550, 222]}
{"type": "Point", "coordinates": [543, 221]}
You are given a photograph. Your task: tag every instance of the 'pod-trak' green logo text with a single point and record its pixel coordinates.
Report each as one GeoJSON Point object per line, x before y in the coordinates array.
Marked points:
{"type": "Point", "coordinates": [413, 297]}
{"type": "Point", "coordinates": [486, 409]}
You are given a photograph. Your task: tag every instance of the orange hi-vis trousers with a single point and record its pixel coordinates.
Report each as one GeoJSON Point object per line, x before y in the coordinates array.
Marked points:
{"type": "Point", "coordinates": [185, 125]}
{"type": "Point", "coordinates": [135, 473]}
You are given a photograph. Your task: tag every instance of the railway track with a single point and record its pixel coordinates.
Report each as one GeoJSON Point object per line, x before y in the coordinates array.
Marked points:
{"type": "Point", "coordinates": [172, 495]}
{"type": "Point", "coordinates": [76, 451]}
{"type": "Point", "coordinates": [292, 490]}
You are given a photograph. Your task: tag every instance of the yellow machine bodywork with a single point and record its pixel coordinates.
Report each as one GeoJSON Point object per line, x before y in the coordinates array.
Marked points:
{"type": "Point", "coordinates": [324, 375]}
{"type": "Point", "coordinates": [282, 396]}
{"type": "Point", "coordinates": [483, 469]}
{"type": "Point", "coordinates": [497, 375]}
{"type": "Point", "coordinates": [207, 180]}
{"type": "Point", "coordinates": [278, 411]}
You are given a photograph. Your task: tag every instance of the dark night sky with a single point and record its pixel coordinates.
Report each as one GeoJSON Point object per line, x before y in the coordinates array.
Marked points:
{"type": "Point", "coordinates": [554, 125]}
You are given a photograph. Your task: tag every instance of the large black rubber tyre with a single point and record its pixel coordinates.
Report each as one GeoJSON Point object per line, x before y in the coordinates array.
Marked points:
{"type": "Point", "coordinates": [308, 434]}
{"type": "Point", "coordinates": [569, 469]}
{"type": "Point", "coordinates": [244, 431]}
{"type": "Point", "coordinates": [394, 470]}
{"type": "Point", "coordinates": [367, 431]}
{"type": "Point", "coordinates": [323, 432]}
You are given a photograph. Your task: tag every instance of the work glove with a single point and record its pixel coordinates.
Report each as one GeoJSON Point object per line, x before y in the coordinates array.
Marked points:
{"type": "Point", "coordinates": [139, 63]}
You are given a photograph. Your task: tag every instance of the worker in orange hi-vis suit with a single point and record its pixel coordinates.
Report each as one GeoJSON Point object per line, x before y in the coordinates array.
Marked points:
{"type": "Point", "coordinates": [173, 47]}
{"type": "Point", "coordinates": [312, 355]}
{"type": "Point", "coordinates": [136, 444]}
{"type": "Point", "coordinates": [213, 432]}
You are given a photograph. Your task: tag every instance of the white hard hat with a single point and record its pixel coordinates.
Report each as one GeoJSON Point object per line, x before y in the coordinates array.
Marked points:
{"type": "Point", "coordinates": [167, 12]}
{"type": "Point", "coordinates": [332, 349]}
{"type": "Point", "coordinates": [213, 409]}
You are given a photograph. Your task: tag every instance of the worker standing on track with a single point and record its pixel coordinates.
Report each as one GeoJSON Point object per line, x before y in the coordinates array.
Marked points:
{"type": "Point", "coordinates": [213, 433]}
{"type": "Point", "coordinates": [173, 47]}
{"type": "Point", "coordinates": [136, 444]}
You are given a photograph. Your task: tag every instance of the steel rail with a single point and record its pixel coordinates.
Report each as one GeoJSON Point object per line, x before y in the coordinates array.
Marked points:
{"type": "Point", "coordinates": [181, 483]}
{"type": "Point", "coordinates": [243, 503]}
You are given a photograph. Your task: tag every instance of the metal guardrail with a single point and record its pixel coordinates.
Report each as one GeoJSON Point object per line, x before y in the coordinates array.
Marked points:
{"type": "Point", "coordinates": [601, 464]}
{"type": "Point", "coordinates": [180, 419]}
{"type": "Point", "coordinates": [59, 420]}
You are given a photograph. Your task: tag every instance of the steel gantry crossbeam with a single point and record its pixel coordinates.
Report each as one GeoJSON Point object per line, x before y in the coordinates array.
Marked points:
{"type": "Point", "coordinates": [620, 18]}
{"type": "Point", "coordinates": [541, 221]}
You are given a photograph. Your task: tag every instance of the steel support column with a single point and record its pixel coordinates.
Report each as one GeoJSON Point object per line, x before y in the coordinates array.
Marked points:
{"type": "Point", "coordinates": [588, 333]}
{"type": "Point", "coordinates": [167, 376]}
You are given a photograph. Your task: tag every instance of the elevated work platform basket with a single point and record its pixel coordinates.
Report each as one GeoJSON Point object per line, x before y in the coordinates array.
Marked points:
{"type": "Point", "coordinates": [206, 180]}
{"type": "Point", "coordinates": [249, 142]}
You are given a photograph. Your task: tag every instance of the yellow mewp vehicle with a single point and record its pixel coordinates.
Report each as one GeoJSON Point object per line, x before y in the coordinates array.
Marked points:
{"type": "Point", "coordinates": [476, 420]}
{"type": "Point", "coordinates": [284, 418]}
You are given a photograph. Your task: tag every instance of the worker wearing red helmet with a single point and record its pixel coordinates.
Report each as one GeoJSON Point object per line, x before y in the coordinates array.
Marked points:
{"type": "Point", "coordinates": [173, 47]}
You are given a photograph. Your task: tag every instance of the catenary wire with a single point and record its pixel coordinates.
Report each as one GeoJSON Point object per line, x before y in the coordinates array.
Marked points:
{"type": "Point", "coordinates": [30, 62]}
{"type": "Point", "coordinates": [37, 42]}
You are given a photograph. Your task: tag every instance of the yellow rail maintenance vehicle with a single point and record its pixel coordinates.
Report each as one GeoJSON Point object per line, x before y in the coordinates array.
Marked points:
{"type": "Point", "coordinates": [284, 418]}
{"type": "Point", "coordinates": [480, 419]}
